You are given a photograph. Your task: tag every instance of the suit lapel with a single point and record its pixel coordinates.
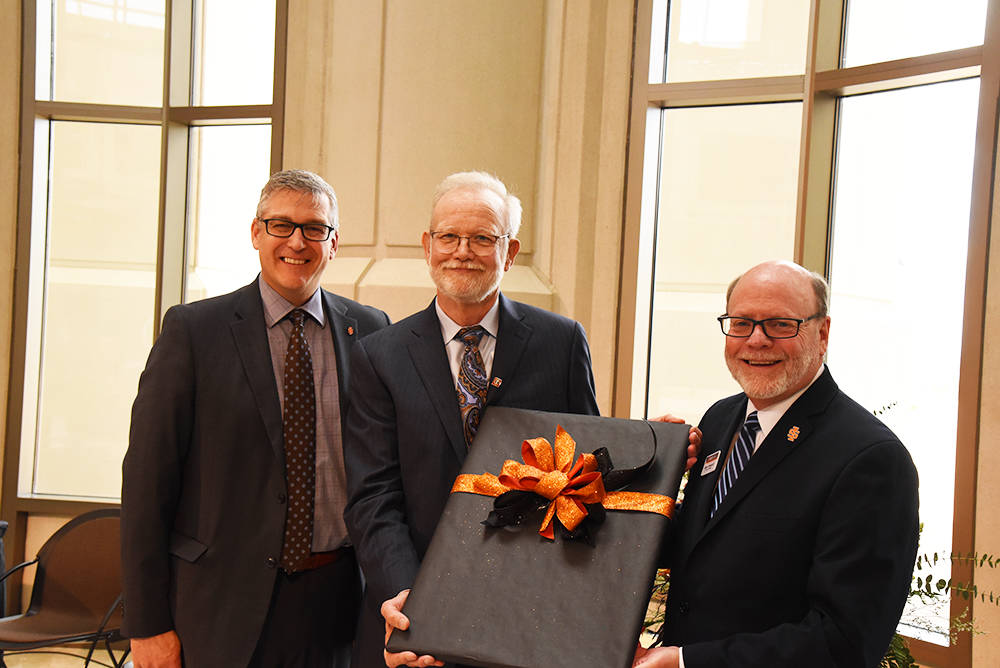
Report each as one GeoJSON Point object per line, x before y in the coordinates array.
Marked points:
{"type": "Point", "coordinates": [733, 420]}
{"type": "Point", "coordinates": [512, 340]}
{"type": "Point", "coordinates": [250, 334]}
{"type": "Point", "coordinates": [427, 352]}
{"type": "Point", "coordinates": [792, 430]}
{"type": "Point", "coordinates": [344, 330]}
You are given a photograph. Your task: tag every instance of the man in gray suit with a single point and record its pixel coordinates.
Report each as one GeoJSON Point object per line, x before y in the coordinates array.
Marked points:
{"type": "Point", "coordinates": [213, 575]}
{"type": "Point", "coordinates": [409, 426]}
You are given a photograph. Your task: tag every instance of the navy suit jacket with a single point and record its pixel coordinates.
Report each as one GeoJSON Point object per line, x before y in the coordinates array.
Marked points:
{"type": "Point", "coordinates": [404, 443]}
{"type": "Point", "coordinates": [203, 484]}
{"type": "Point", "coordinates": [807, 561]}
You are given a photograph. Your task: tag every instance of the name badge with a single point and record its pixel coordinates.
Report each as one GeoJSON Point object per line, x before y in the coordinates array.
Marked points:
{"type": "Point", "coordinates": [711, 462]}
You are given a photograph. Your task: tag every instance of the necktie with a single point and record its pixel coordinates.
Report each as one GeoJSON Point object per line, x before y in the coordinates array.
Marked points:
{"type": "Point", "coordinates": [738, 459]}
{"type": "Point", "coordinates": [300, 445]}
{"type": "Point", "coordinates": [472, 381]}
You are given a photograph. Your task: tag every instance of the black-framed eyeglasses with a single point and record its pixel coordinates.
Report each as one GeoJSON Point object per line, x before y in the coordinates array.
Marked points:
{"type": "Point", "coordinates": [773, 328]}
{"type": "Point", "coordinates": [481, 244]}
{"type": "Point", "coordinates": [284, 229]}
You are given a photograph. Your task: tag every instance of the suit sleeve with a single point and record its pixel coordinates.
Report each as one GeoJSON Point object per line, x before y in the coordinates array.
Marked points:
{"type": "Point", "coordinates": [376, 507]}
{"type": "Point", "coordinates": [582, 394]}
{"type": "Point", "coordinates": [159, 438]}
{"type": "Point", "coordinates": [857, 582]}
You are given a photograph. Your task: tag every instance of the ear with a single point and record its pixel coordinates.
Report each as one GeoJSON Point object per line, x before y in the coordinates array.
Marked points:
{"type": "Point", "coordinates": [824, 333]}
{"type": "Point", "coordinates": [255, 233]}
{"type": "Point", "coordinates": [334, 244]}
{"type": "Point", "coordinates": [513, 248]}
{"type": "Point", "coordinates": [425, 239]}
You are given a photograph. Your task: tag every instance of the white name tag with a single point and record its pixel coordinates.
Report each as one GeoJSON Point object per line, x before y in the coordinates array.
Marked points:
{"type": "Point", "coordinates": [711, 462]}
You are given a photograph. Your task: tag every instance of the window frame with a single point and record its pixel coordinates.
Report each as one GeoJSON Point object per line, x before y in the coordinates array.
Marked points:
{"type": "Point", "coordinates": [175, 117]}
{"type": "Point", "coordinates": [819, 89]}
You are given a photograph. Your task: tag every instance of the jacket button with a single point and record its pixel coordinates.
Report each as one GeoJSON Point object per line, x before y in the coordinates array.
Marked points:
{"type": "Point", "coordinates": [271, 562]}
{"type": "Point", "coordinates": [684, 608]}
{"type": "Point", "coordinates": [281, 497]}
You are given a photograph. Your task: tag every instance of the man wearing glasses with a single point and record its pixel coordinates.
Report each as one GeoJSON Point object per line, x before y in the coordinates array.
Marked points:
{"type": "Point", "coordinates": [798, 532]}
{"type": "Point", "coordinates": [419, 387]}
{"type": "Point", "coordinates": [234, 549]}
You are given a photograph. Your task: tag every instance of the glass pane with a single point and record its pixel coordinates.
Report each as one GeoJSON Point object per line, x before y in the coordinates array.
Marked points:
{"type": "Point", "coordinates": [881, 30]}
{"type": "Point", "coordinates": [97, 316]}
{"type": "Point", "coordinates": [104, 51]}
{"type": "Point", "coordinates": [735, 39]}
{"type": "Point", "coordinates": [728, 184]}
{"type": "Point", "coordinates": [900, 241]}
{"type": "Point", "coordinates": [233, 52]}
{"type": "Point", "coordinates": [229, 166]}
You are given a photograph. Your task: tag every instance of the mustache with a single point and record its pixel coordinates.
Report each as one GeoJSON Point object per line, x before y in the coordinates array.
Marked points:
{"type": "Point", "coordinates": [466, 264]}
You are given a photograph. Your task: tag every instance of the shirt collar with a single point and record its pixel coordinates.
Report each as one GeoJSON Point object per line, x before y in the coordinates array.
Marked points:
{"type": "Point", "coordinates": [449, 328]}
{"type": "Point", "coordinates": [277, 307]}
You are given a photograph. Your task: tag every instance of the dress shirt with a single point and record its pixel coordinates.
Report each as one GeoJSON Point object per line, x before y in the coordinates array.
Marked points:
{"type": "Point", "coordinates": [329, 531]}
{"type": "Point", "coordinates": [456, 349]}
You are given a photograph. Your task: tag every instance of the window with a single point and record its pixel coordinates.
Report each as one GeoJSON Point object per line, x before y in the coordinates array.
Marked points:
{"type": "Point", "coordinates": [844, 137]}
{"type": "Point", "coordinates": [136, 204]}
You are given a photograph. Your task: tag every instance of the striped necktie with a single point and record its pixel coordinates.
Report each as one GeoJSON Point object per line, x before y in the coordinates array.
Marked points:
{"type": "Point", "coordinates": [737, 459]}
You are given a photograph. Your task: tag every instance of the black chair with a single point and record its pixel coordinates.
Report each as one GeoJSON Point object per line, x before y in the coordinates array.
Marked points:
{"type": "Point", "coordinates": [76, 596]}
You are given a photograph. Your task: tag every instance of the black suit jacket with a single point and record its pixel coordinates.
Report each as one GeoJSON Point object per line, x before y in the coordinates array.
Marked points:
{"type": "Point", "coordinates": [404, 443]}
{"type": "Point", "coordinates": [808, 560]}
{"type": "Point", "coordinates": [204, 478]}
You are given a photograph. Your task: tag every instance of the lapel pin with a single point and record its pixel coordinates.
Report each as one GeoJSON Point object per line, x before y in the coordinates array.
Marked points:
{"type": "Point", "coordinates": [350, 331]}
{"type": "Point", "coordinates": [793, 434]}
{"type": "Point", "coordinates": [497, 382]}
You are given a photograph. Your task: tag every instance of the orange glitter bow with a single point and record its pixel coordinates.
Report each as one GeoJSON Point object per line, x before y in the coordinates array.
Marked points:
{"type": "Point", "coordinates": [569, 487]}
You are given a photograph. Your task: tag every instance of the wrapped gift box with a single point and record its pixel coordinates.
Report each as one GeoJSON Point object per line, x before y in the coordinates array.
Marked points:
{"type": "Point", "coordinates": [508, 597]}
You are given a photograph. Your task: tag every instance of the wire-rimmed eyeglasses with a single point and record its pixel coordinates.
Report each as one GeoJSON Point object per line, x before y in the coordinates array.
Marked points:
{"type": "Point", "coordinates": [481, 244]}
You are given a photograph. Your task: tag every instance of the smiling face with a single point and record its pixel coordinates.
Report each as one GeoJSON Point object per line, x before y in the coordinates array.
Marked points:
{"type": "Point", "coordinates": [464, 279]}
{"type": "Point", "coordinates": [771, 370]}
{"type": "Point", "coordinates": [294, 266]}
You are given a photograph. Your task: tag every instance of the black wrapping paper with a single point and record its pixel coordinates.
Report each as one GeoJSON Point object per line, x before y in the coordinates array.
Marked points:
{"type": "Point", "coordinates": [507, 597]}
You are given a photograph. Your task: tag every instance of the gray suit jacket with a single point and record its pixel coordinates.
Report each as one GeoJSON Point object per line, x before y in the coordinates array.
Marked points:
{"type": "Point", "coordinates": [203, 484]}
{"type": "Point", "coordinates": [404, 443]}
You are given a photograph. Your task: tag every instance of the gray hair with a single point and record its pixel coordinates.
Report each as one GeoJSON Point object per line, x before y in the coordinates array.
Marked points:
{"type": "Point", "coordinates": [304, 182]}
{"type": "Point", "coordinates": [819, 284]}
{"type": "Point", "coordinates": [509, 217]}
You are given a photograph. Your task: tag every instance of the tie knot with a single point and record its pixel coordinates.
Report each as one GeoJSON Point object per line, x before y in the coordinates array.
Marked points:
{"type": "Point", "coordinates": [298, 318]}
{"type": "Point", "coordinates": [470, 335]}
{"type": "Point", "coordinates": [752, 423]}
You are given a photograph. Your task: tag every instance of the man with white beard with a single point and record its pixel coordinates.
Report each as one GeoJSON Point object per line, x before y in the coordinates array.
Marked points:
{"type": "Point", "coordinates": [796, 539]}
{"type": "Point", "coordinates": [419, 387]}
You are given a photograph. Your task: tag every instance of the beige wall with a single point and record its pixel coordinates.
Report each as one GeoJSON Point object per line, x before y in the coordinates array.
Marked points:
{"type": "Point", "coordinates": [534, 92]}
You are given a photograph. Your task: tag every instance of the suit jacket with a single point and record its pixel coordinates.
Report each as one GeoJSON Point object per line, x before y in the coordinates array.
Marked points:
{"type": "Point", "coordinates": [807, 561]}
{"type": "Point", "coordinates": [404, 443]}
{"type": "Point", "coordinates": [203, 484]}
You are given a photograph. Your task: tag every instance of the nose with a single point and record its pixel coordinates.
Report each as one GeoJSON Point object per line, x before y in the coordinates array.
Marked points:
{"type": "Point", "coordinates": [298, 239]}
{"type": "Point", "coordinates": [758, 337]}
{"type": "Point", "coordinates": [464, 249]}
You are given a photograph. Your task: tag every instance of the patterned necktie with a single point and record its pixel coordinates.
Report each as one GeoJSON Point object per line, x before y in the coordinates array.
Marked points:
{"type": "Point", "coordinates": [472, 381]}
{"type": "Point", "coordinates": [300, 445]}
{"type": "Point", "coordinates": [738, 459]}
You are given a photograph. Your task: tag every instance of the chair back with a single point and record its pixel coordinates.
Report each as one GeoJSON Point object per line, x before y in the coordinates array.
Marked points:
{"type": "Point", "coordinates": [79, 569]}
